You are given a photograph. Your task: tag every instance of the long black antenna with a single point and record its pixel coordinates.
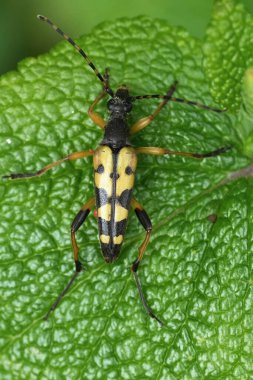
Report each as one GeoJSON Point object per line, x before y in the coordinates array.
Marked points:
{"type": "Point", "coordinates": [80, 50]}
{"type": "Point", "coordinates": [178, 100]}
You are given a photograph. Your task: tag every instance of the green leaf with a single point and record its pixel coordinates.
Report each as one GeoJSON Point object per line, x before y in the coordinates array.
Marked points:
{"type": "Point", "coordinates": [228, 62]}
{"type": "Point", "coordinates": [228, 51]}
{"type": "Point", "coordinates": [196, 273]}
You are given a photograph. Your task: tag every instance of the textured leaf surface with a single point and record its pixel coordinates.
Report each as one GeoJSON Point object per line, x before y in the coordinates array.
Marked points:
{"type": "Point", "coordinates": [196, 274]}
{"type": "Point", "coordinates": [228, 50]}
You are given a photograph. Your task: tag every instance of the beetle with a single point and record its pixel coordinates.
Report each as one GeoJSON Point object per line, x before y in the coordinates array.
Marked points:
{"type": "Point", "coordinates": [115, 162]}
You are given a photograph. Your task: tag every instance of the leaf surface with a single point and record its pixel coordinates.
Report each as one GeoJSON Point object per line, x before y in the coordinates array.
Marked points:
{"type": "Point", "coordinates": [228, 51]}
{"type": "Point", "coordinates": [196, 274]}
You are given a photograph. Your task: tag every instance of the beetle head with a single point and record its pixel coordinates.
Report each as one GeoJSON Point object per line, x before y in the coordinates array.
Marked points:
{"type": "Point", "coordinates": [121, 102]}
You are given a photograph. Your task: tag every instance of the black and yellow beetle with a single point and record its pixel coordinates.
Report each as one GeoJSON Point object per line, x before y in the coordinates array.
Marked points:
{"type": "Point", "coordinates": [115, 162]}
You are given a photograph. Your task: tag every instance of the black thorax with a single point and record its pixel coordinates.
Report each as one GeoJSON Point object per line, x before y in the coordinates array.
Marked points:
{"type": "Point", "coordinates": [116, 131]}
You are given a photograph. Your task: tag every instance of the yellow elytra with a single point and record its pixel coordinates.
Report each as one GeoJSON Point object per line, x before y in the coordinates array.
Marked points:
{"type": "Point", "coordinates": [114, 174]}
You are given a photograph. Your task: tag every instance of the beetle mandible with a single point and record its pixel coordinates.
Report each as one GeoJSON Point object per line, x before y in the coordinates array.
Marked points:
{"type": "Point", "coordinates": [114, 163]}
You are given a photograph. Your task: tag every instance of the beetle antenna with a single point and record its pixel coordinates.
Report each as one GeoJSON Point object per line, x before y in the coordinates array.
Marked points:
{"type": "Point", "coordinates": [178, 100]}
{"type": "Point", "coordinates": [80, 50]}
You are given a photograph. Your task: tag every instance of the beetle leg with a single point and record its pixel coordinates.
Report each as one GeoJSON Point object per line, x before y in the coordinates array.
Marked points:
{"type": "Point", "coordinates": [146, 223]}
{"type": "Point", "coordinates": [70, 157]}
{"type": "Point", "coordinates": [162, 151]}
{"type": "Point", "coordinates": [145, 121]}
{"type": "Point", "coordinates": [95, 117]}
{"type": "Point", "coordinates": [77, 222]}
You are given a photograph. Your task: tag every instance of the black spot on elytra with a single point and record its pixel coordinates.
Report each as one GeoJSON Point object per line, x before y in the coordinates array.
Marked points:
{"type": "Point", "coordinates": [101, 197]}
{"type": "Point", "coordinates": [103, 226]}
{"type": "Point", "coordinates": [116, 176]}
{"type": "Point", "coordinates": [121, 227]}
{"type": "Point", "coordinates": [125, 198]}
{"type": "Point", "coordinates": [100, 169]}
{"type": "Point", "coordinates": [129, 170]}
{"type": "Point", "coordinates": [110, 252]}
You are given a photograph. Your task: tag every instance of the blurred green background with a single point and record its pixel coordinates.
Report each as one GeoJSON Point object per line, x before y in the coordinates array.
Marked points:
{"type": "Point", "coordinates": [22, 35]}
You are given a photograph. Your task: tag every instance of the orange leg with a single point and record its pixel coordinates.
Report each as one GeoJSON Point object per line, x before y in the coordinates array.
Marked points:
{"type": "Point", "coordinates": [96, 118]}
{"type": "Point", "coordinates": [70, 157]}
{"type": "Point", "coordinates": [162, 151]}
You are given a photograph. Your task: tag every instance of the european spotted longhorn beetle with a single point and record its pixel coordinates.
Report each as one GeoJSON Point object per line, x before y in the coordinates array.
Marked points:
{"type": "Point", "coordinates": [114, 163]}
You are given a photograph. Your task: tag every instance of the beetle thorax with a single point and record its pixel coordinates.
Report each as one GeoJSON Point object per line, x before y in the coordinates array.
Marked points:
{"type": "Point", "coordinates": [116, 131]}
